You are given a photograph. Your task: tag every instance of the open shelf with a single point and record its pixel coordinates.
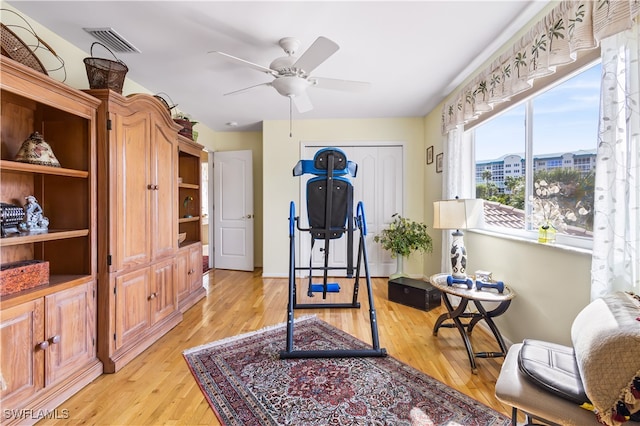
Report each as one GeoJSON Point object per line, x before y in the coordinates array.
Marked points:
{"type": "Point", "coordinates": [189, 219]}
{"type": "Point", "coordinates": [46, 170]}
{"type": "Point", "coordinates": [37, 237]}
{"type": "Point", "coordinates": [188, 186]}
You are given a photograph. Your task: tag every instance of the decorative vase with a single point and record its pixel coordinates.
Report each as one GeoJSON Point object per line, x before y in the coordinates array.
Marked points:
{"type": "Point", "coordinates": [458, 256]}
{"type": "Point", "coordinates": [35, 150]}
{"type": "Point", "coordinates": [399, 268]}
{"type": "Point", "coordinates": [546, 234]}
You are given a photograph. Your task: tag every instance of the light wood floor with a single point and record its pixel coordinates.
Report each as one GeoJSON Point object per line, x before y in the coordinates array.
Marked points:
{"type": "Point", "coordinates": [158, 388]}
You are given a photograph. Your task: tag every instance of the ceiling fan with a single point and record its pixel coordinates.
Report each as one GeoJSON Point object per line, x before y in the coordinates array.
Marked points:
{"type": "Point", "coordinates": [292, 74]}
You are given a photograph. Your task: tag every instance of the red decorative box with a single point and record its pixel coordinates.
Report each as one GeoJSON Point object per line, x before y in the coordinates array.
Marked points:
{"type": "Point", "coordinates": [18, 276]}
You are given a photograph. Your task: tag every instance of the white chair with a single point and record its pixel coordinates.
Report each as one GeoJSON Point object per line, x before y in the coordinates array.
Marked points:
{"type": "Point", "coordinates": [606, 351]}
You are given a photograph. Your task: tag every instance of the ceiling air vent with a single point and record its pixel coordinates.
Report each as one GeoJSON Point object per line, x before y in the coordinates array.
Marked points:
{"type": "Point", "coordinates": [114, 41]}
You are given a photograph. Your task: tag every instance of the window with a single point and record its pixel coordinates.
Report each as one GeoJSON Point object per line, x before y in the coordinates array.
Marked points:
{"type": "Point", "coordinates": [549, 171]}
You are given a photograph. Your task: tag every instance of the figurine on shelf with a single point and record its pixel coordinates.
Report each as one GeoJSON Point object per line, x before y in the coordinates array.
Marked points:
{"type": "Point", "coordinates": [188, 200]}
{"type": "Point", "coordinates": [34, 219]}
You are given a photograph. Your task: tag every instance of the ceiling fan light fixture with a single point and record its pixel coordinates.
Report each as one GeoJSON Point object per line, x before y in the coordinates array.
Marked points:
{"type": "Point", "coordinates": [290, 86]}
{"type": "Point", "coordinates": [283, 64]}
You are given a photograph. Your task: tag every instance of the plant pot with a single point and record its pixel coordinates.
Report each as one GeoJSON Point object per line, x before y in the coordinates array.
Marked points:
{"type": "Point", "coordinates": [187, 127]}
{"type": "Point", "coordinates": [399, 269]}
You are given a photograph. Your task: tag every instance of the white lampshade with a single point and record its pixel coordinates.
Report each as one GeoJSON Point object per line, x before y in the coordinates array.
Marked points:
{"type": "Point", "coordinates": [458, 214]}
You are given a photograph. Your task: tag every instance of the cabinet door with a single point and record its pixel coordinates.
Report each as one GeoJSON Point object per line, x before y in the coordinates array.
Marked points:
{"type": "Point", "coordinates": [22, 356]}
{"type": "Point", "coordinates": [164, 300]}
{"type": "Point", "coordinates": [182, 272]}
{"type": "Point", "coordinates": [164, 231]}
{"type": "Point", "coordinates": [132, 195]}
{"type": "Point", "coordinates": [195, 267]}
{"type": "Point", "coordinates": [133, 292]}
{"type": "Point", "coordinates": [70, 330]}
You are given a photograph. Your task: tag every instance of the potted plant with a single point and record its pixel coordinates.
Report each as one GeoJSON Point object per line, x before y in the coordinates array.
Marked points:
{"type": "Point", "coordinates": [403, 237]}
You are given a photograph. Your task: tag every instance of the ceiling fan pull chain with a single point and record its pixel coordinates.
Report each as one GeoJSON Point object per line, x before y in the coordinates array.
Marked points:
{"type": "Point", "coordinates": [290, 116]}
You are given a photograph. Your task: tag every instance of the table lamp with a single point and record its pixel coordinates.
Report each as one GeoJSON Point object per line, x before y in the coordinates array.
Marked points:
{"type": "Point", "coordinates": [458, 214]}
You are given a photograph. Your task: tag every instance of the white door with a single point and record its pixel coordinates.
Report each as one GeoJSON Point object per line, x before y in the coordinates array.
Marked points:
{"type": "Point", "coordinates": [233, 210]}
{"type": "Point", "coordinates": [379, 185]}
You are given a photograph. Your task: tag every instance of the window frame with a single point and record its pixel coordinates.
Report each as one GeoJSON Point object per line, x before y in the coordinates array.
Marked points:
{"type": "Point", "coordinates": [562, 240]}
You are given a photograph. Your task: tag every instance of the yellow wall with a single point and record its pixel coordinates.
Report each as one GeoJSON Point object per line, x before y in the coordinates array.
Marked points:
{"type": "Point", "coordinates": [281, 153]}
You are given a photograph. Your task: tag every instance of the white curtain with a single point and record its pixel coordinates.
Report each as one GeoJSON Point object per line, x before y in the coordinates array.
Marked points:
{"type": "Point", "coordinates": [459, 178]}
{"type": "Point", "coordinates": [616, 233]}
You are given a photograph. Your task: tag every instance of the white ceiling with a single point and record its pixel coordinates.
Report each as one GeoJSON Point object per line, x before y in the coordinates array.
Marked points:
{"type": "Point", "coordinates": [413, 53]}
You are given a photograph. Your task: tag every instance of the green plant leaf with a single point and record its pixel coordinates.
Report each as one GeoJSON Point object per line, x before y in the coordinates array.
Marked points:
{"type": "Point", "coordinates": [404, 236]}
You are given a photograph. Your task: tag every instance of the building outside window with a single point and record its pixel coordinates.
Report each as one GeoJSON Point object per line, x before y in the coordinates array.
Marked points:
{"type": "Point", "coordinates": [560, 151]}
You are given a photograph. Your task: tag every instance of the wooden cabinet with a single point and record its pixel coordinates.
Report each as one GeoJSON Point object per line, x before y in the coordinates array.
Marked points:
{"type": "Point", "coordinates": [189, 223]}
{"type": "Point", "coordinates": [148, 296]}
{"type": "Point", "coordinates": [137, 144]}
{"type": "Point", "coordinates": [48, 333]}
{"type": "Point", "coordinates": [48, 349]}
{"type": "Point", "coordinates": [22, 332]}
{"type": "Point", "coordinates": [137, 189]}
{"type": "Point", "coordinates": [190, 289]}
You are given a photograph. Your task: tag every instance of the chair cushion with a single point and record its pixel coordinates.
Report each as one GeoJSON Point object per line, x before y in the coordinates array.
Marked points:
{"type": "Point", "coordinates": [552, 367]}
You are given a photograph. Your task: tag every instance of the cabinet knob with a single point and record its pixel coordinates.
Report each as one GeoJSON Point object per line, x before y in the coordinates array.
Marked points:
{"type": "Point", "coordinates": [54, 340]}
{"type": "Point", "coordinates": [155, 187]}
{"type": "Point", "coordinates": [149, 186]}
{"type": "Point", "coordinates": [153, 295]}
{"type": "Point", "coordinates": [43, 345]}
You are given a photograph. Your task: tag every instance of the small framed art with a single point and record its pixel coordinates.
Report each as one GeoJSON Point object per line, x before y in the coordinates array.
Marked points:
{"type": "Point", "coordinates": [430, 155]}
{"type": "Point", "coordinates": [439, 160]}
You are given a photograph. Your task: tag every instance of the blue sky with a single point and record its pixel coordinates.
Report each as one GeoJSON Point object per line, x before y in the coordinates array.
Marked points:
{"type": "Point", "coordinates": [565, 119]}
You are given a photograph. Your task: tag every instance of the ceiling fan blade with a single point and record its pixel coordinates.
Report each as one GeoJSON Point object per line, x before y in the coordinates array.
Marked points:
{"type": "Point", "coordinates": [317, 53]}
{"type": "Point", "coordinates": [302, 102]}
{"type": "Point", "coordinates": [337, 84]}
{"type": "Point", "coordinates": [235, 92]}
{"type": "Point", "coordinates": [246, 63]}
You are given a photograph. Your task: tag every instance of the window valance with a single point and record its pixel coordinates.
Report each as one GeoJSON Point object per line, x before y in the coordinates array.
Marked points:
{"type": "Point", "coordinates": [554, 40]}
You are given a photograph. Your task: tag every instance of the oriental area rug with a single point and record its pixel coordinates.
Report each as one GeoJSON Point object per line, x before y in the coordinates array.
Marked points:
{"type": "Point", "coordinates": [246, 383]}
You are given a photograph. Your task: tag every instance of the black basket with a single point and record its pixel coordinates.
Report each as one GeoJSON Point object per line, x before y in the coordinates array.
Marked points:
{"type": "Point", "coordinates": [105, 73]}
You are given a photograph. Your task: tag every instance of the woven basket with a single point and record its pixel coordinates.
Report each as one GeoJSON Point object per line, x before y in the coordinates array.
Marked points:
{"type": "Point", "coordinates": [105, 73]}
{"type": "Point", "coordinates": [16, 49]}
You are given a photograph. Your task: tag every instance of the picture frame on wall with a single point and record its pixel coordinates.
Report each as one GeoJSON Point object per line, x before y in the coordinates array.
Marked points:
{"type": "Point", "coordinates": [439, 160]}
{"type": "Point", "coordinates": [430, 155]}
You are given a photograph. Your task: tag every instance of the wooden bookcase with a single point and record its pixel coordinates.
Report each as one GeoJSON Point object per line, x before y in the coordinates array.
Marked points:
{"type": "Point", "coordinates": [48, 333]}
{"type": "Point", "coordinates": [189, 222]}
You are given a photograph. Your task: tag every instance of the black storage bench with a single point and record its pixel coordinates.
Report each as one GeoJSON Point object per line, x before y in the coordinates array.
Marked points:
{"type": "Point", "coordinates": [415, 293]}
